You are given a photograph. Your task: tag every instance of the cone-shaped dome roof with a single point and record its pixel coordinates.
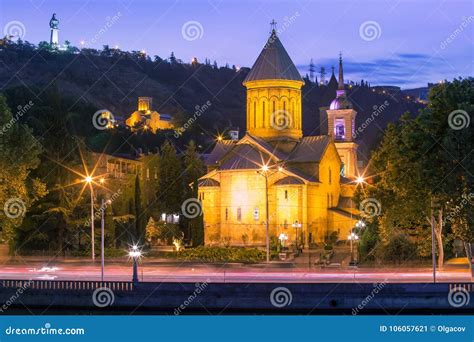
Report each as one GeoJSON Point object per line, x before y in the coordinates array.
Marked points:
{"type": "Point", "coordinates": [273, 63]}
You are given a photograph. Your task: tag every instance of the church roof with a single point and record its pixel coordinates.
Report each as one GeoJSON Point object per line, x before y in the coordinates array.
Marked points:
{"type": "Point", "coordinates": [219, 150]}
{"type": "Point", "coordinates": [289, 180]}
{"type": "Point", "coordinates": [273, 63]}
{"type": "Point", "coordinates": [244, 156]}
{"type": "Point", "coordinates": [250, 153]}
{"type": "Point", "coordinates": [310, 149]}
{"type": "Point", "coordinates": [208, 182]}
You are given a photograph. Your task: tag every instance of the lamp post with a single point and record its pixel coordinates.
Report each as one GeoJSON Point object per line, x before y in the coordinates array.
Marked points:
{"type": "Point", "coordinates": [267, 218]}
{"type": "Point", "coordinates": [102, 235]}
{"type": "Point", "coordinates": [352, 237]}
{"type": "Point", "coordinates": [135, 253]}
{"type": "Point", "coordinates": [88, 180]}
{"type": "Point", "coordinates": [296, 225]}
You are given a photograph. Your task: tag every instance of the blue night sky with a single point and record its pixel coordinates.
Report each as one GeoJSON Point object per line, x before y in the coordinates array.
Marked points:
{"type": "Point", "coordinates": [409, 48]}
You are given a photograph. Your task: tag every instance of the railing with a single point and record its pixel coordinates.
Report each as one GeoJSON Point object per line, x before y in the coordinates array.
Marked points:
{"type": "Point", "coordinates": [468, 287]}
{"type": "Point", "coordinates": [67, 285]}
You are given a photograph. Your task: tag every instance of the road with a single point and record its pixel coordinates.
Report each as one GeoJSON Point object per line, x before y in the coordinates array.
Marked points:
{"type": "Point", "coordinates": [172, 272]}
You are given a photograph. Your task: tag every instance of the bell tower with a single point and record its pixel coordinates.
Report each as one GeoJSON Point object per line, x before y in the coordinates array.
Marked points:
{"type": "Point", "coordinates": [274, 94]}
{"type": "Point", "coordinates": [341, 126]}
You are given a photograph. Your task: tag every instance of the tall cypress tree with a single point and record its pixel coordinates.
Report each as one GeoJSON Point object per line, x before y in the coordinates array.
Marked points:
{"type": "Point", "coordinates": [139, 219]}
{"type": "Point", "coordinates": [194, 169]}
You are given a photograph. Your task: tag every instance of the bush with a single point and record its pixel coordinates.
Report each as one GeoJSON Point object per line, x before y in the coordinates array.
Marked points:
{"type": "Point", "coordinates": [368, 242]}
{"type": "Point", "coordinates": [398, 249]}
{"type": "Point", "coordinates": [221, 254]}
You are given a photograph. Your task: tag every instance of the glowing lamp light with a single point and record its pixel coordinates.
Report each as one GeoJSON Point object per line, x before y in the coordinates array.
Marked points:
{"type": "Point", "coordinates": [102, 181]}
{"type": "Point", "coordinates": [265, 168]}
{"type": "Point", "coordinates": [220, 138]}
{"type": "Point", "coordinates": [360, 180]}
{"type": "Point", "coordinates": [134, 252]}
{"type": "Point", "coordinates": [88, 179]}
{"type": "Point", "coordinates": [353, 236]}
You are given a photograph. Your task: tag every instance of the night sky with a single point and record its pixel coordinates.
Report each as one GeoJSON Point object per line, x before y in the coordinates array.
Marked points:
{"type": "Point", "coordinates": [406, 43]}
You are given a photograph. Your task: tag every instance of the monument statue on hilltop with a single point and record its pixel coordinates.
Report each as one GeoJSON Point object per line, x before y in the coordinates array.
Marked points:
{"type": "Point", "coordinates": [54, 25]}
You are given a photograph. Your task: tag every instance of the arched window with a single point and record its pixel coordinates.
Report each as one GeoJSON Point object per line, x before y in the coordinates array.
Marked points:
{"type": "Point", "coordinates": [263, 114]}
{"type": "Point", "coordinates": [330, 176]}
{"type": "Point", "coordinates": [254, 114]}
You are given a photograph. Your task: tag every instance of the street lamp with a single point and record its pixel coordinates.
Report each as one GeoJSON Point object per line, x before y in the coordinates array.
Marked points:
{"type": "Point", "coordinates": [296, 225]}
{"type": "Point", "coordinates": [352, 237]}
{"type": "Point", "coordinates": [264, 172]}
{"type": "Point", "coordinates": [134, 253]}
{"type": "Point", "coordinates": [88, 180]}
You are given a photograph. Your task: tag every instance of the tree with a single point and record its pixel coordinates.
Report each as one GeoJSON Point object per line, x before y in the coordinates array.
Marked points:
{"type": "Point", "coordinates": [139, 217]}
{"type": "Point", "coordinates": [170, 195]}
{"type": "Point", "coordinates": [422, 166]}
{"type": "Point", "coordinates": [19, 155]}
{"type": "Point", "coordinates": [194, 169]}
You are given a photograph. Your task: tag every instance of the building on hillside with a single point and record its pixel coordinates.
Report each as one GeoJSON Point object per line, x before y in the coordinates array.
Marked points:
{"type": "Point", "coordinates": [145, 118]}
{"type": "Point", "coordinates": [276, 174]}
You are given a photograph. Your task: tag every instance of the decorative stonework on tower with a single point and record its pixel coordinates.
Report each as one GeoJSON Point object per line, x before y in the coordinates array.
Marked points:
{"type": "Point", "coordinates": [341, 125]}
{"type": "Point", "coordinates": [54, 26]}
{"type": "Point", "coordinates": [274, 94]}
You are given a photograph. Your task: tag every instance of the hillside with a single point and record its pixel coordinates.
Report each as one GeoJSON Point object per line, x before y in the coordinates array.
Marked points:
{"type": "Point", "coordinates": [112, 79]}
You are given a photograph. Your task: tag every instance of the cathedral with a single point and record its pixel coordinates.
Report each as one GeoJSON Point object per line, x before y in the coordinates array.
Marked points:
{"type": "Point", "coordinates": [301, 186]}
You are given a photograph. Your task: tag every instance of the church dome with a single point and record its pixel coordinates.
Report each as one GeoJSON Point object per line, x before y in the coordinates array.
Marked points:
{"type": "Point", "coordinates": [273, 63]}
{"type": "Point", "coordinates": [341, 101]}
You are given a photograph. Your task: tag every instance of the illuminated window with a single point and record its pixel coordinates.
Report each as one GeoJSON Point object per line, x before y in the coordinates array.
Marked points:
{"type": "Point", "coordinates": [239, 214]}
{"type": "Point", "coordinates": [147, 173]}
{"type": "Point", "coordinates": [339, 129]}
